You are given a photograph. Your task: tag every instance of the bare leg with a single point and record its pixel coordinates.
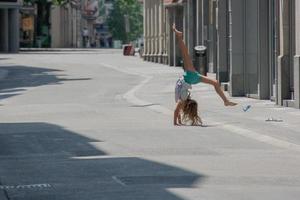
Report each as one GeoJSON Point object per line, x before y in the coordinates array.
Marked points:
{"type": "Point", "coordinates": [187, 61]}
{"type": "Point", "coordinates": [218, 89]}
{"type": "Point", "coordinates": [188, 65]}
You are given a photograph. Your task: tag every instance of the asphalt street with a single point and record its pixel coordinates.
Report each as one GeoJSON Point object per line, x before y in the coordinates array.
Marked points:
{"type": "Point", "coordinates": [96, 125]}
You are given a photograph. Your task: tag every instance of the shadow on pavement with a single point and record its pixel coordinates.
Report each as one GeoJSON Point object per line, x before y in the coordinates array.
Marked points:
{"type": "Point", "coordinates": [24, 76]}
{"type": "Point", "coordinates": [46, 161]}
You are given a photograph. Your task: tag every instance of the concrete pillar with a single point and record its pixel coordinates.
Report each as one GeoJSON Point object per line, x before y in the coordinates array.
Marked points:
{"type": "Point", "coordinates": [13, 15]}
{"type": "Point", "coordinates": [70, 18]}
{"type": "Point", "coordinates": [55, 27]}
{"type": "Point", "coordinates": [205, 28]}
{"type": "Point", "coordinates": [199, 22]}
{"type": "Point", "coordinates": [263, 50]}
{"type": "Point", "coordinates": [214, 37]}
{"type": "Point", "coordinates": [78, 28]}
{"type": "Point", "coordinates": [145, 29]}
{"type": "Point", "coordinates": [190, 27]}
{"type": "Point", "coordinates": [222, 23]}
{"type": "Point", "coordinates": [160, 31]}
{"type": "Point", "coordinates": [168, 36]}
{"type": "Point", "coordinates": [236, 46]}
{"type": "Point", "coordinates": [205, 18]}
{"type": "Point", "coordinates": [4, 45]}
{"type": "Point", "coordinates": [297, 55]}
{"type": "Point", "coordinates": [74, 28]}
{"type": "Point", "coordinates": [179, 19]}
{"type": "Point", "coordinates": [154, 24]}
{"type": "Point", "coordinates": [157, 24]}
{"type": "Point", "coordinates": [171, 39]}
{"type": "Point", "coordinates": [283, 59]}
{"type": "Point", "coordinates": [185, 24]}
{"type": "Point", "coordinates": [165, 35]}
{"type": "Point", "coordinates": [152, 21]}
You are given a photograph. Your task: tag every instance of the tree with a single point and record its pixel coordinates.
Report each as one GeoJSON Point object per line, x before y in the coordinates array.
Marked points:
{"type": "Point", "coordinates": [123, 9]}
{"type": "Point", "coordinates": [101, 7]}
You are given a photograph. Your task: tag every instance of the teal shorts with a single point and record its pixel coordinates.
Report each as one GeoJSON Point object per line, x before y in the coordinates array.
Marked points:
{"type": "Point", "coordinates": [192, 77]}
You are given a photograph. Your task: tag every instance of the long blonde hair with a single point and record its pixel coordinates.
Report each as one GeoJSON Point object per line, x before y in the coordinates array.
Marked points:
{"type": "Point", "coordinates": [190, 111]}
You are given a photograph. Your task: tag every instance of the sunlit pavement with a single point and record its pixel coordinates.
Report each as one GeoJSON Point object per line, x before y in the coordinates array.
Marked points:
{"type": "Point", "coordinates": [97, 125]}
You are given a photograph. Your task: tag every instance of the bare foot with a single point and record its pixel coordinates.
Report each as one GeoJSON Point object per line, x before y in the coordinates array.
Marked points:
{"type": "Point", "coordinates": [229, 103]}
{"type": "Point", "coordinates": [178, 33]}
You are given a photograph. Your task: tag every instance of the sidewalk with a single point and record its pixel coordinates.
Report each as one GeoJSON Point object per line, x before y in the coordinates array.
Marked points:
{"type": "Point", "coordinates": [263, 121]}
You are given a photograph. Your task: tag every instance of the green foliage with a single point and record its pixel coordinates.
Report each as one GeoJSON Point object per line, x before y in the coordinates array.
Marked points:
{"type": "Point", "coordinates": [101, 7]}
{"type": "Point", "coordinates": [116, 20]}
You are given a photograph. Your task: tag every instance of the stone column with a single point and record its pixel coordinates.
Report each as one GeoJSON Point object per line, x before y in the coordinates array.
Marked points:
{"type": "Point", "coordinates": [160, 31]}
{"type": "Point", "coordinates": [283, 59]}
{"type": "Point", "coordinates": [222, 64]}
{"type": "Point", "coordinates": [157, 24]}
{"type": "Point", "coordinates": [190, 27]}
{"type": "Point", "coordinates": [214, 37]}
{"type": "Point", "coordinates": [236, 46]}
{"type": "Point", "coordinates": [165, 28]}
{"type": "Point", "coordinates": [78, 28]}
{"type": "Point", "coordinates": [154, 24]}
{"type": "Point", "coordinates": [185, 23]}
{"type": "Point", "coordinates": [199, 22]}
{"type": "Point", "coordinates": [145, 29]}
{"type": "Point", "coordinates": [171, 37]}
{"type": "Point", "coordinates": [297, 55]}
{"type": "Point", "coordinates": [263, 49]}
{"type": "Point", "coordinates": [55, 27]}
{"type": "Point", "coordinates": [151, 30]}
{"type": "Point", "coordinates": [13, 15]}
{"type": "Point", "coordinates": [4, 30]}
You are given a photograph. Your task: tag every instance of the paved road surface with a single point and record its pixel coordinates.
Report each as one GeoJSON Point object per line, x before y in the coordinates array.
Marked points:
{"type": "Point", "coordinates": [92, 125]}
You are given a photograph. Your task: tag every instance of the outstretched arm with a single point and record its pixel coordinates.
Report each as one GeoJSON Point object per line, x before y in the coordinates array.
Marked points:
{"type": "Point", "coordinates": [187, 61]}
{"type": "Point", "coordinates": [177, 118]}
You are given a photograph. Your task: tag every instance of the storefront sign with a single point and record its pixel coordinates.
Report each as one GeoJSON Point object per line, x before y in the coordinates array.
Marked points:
{"type": "Point", "coordinates": [27, 23]}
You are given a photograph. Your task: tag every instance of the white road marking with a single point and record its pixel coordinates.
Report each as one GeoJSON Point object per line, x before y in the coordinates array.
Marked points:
{"type": "Point", "coordinates": [262, 138]}
{"type": "Point", "coordinates": [130, 97]}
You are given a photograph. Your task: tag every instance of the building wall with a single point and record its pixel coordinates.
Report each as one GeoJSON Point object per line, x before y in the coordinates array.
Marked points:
{"type": "Point", "coordinates": [65, 26]}
{"type": "Point", "coordinates": [155, 34]}
{"type": "Point", "coordinates": [9, 27]}
{"type": "Point", "coordinates": [254, 45]}
{"type": "Point", "coordinates": [297, 55]}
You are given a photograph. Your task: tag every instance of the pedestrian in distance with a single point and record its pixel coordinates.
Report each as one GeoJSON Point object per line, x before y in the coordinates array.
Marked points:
{"type": "Point", "coordinates": [186, 107]}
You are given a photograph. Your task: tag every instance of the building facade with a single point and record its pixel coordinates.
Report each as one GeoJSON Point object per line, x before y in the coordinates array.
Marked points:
{"type": "Point", "coordinates": [9, 25]}
{"type": "Point", "coordinates": [252, 45]}
{"type": "Point", "coordinates": [45, 24]}
{"type": "Point", "coordinates": [66, 23]}
{"type": "Point", "coordinates": [155, 33]}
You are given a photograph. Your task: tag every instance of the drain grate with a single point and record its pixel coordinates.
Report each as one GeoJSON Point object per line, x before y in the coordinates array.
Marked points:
{"type": "Point", "coordinates": [31, 186]}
